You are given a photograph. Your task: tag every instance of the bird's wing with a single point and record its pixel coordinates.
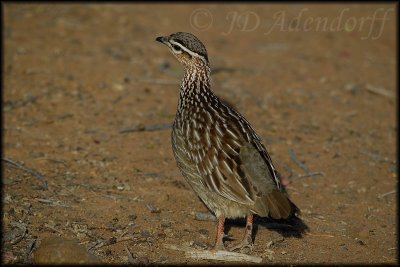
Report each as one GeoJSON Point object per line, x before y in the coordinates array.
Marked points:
{"type": "Point", "coordinates": [233, 163]}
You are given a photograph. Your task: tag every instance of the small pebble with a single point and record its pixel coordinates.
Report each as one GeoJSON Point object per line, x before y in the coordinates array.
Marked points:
{"type": "Point", "coordinates": [118, 87]}
{"type": "Point", "coordinates": [161, 235]}
{"type": "Point", "coordinates": [163, 258]}
{"type": "Point", "coordinates": [352, 88]}
{"type": "Point", "coordinates": [360, 242]}
{"type": "Point", "coordinates": [204, 232]}
{"type": "Point", "coordinates": [145, 233]}
{"type": "Point", "coordinates": [165, 224]}
{"type": "Point", "coordinates": [143, 260]}
{"type": "Point", "coordinates": [152, 209]}
{"type": "Point", "coordinates": [132, 217]}
{"type": "Point", "coordinates": [56, 250]}
{"type": "Point", "coordinates": [204, 216]}
{"type": "Point", "coordinates": [268, 254]}
{"type": "Point", "coordinates": [198, 244]}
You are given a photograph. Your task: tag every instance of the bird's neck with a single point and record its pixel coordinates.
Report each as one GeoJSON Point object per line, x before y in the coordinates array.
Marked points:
{"type": "Point", "coordinates": [195, 86]}
{"type": "Point", "coordinates": [196, 77]}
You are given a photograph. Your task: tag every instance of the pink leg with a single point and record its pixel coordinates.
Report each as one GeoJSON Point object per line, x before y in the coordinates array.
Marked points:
{"type": "Point", "coordinates": [219, 243]}
{"type": "Point", "coordinates": [249, 229]}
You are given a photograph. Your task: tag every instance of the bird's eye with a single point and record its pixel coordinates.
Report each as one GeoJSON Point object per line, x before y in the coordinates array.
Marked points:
{"type": "Point", "coordinates": [176, 48]}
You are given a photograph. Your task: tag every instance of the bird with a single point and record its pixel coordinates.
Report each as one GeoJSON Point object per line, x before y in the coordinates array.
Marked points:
{"type": "Point", "coordinates": [218, 152]}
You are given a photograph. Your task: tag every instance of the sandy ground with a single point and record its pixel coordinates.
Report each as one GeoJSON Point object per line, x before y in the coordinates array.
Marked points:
{"type": "Point", "coordinates": [322, 98]}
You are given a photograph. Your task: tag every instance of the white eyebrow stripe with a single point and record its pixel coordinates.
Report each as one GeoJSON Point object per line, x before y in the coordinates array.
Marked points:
{"type": "Point", "coordinates": [186, 50]}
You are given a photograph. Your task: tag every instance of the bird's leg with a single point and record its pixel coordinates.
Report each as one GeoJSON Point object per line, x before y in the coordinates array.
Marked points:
{"type": "Point", "coordinates": [219, 243]}
{"type": "Point", "coordinates": [247, 241]}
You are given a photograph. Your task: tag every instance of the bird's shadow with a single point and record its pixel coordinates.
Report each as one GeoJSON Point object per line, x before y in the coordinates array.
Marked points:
{"type": "Point", "coordinates": [292, 227]}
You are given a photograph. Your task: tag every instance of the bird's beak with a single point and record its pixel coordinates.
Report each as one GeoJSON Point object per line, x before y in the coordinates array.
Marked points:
{"type": "Point", "coordinates": [162, 39]}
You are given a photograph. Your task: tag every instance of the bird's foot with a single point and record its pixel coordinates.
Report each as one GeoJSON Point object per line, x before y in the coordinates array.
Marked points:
{"type": "Point", "coordinates": [246, 245]}
{"type": "Point", "coordinates": [218, 246]}
{"type": "Point", "coordinates": [219, 238]}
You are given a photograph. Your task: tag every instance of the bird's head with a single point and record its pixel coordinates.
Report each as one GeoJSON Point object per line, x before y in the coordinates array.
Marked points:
{"type": "Point", "coordinates": [186, 47]}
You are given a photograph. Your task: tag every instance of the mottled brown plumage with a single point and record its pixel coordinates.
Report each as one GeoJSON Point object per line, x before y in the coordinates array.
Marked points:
{"type": "Point", "coordinates": [217, 150]}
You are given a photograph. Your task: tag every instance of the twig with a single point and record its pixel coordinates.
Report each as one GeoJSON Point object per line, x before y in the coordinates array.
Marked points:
{"type": "Point", "coordinates": [8, 105]}
{"type": "Point", "coordinates": [53, 228]}
{"type": "Point", "coordinates": [220, 255]}
{"type": "Point", "coordinates": [297, 161]}
{"type": "Point", "coordinates": [53, 203]}
{"type": "Point", "coordinates": [378, 157]}
{"type": "Point", "coordinates": [30, 171]}
{"type": "Point", "coordinates": [379, 91]}
{"type": "Point", "coordinates": [320, 235]}
{"type": "Point", "coordinates": [101, 228]}
{"type": "Point", "coordinates": [309, 175]}
{"type": "Point", "coordinates": [58, 161]}
{"type": "Point", "coordinates": [124, 233]}
{"type": "Point", "coordinates": [113, 241]}
{"type": "Point", "coordinates": [141, 128]}
{"type": "Point", "coordinates": [130, 256]}
{"type": "Point", "coordinates": [387, 193]}
{"type": "Point", "coordinates": [30, 247]}
{"type": "Point", "coordinates": [152, 208]}
{"type": "Point", "coordinates": [114, 197]}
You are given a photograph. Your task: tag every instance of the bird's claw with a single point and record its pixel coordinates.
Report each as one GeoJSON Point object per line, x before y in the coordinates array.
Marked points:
{"type": "Point", "coordinates": [218, 246]}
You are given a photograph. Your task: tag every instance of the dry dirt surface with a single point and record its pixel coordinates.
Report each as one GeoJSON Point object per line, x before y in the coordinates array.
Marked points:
{"type": "Point", "coordinates": [88, 97]}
